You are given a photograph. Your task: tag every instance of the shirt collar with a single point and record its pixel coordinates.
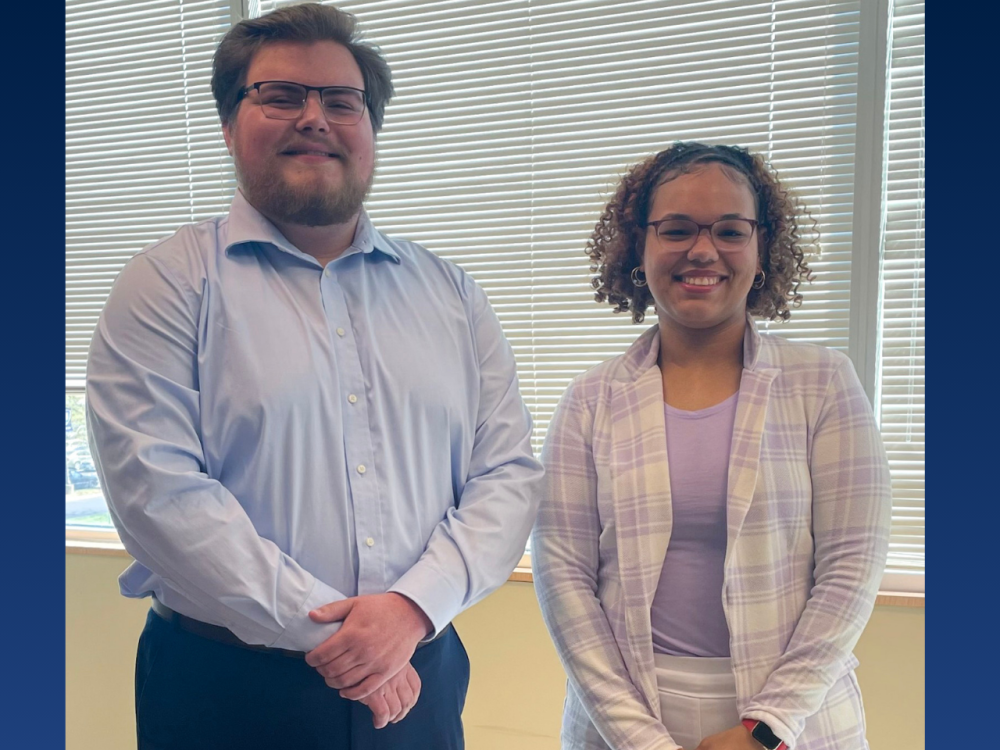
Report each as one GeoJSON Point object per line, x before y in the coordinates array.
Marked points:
{"type": "Point", "coordinates": [247, 225]}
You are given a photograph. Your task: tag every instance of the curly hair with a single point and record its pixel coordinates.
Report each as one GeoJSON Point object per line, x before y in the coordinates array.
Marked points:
{"type": "Point", "coordinates": [615, 247]}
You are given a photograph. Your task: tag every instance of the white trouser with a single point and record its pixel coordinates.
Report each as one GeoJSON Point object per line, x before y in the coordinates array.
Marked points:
{"type": "Point", "coordinates": [697, 697]}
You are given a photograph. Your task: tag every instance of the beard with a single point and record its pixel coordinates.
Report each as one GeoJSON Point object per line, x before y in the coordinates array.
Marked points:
{"type": "Point", "coordinates": [306, 204]}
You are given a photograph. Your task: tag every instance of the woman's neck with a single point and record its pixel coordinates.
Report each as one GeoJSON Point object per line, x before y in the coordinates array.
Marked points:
{"type": "Point", "coordinates": [702, 347]}
{"type": "Point", "coordinates": [700, 368]}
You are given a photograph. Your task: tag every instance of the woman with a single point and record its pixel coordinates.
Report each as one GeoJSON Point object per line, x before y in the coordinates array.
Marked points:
{"type": "Point", "coordinates": [717, 515]}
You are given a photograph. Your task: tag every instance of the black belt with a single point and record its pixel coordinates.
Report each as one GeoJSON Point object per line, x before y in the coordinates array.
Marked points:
{"type": "Point", "coordinates": [214, 632]}
{"type": "Point", "coordinates": [224, 635]}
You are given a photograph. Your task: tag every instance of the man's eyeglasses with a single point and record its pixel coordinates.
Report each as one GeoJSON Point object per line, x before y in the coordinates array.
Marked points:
{"type": "Point", "coordinates": [285, 100]}
{"type": "Point", "coordinates": [680, 235]}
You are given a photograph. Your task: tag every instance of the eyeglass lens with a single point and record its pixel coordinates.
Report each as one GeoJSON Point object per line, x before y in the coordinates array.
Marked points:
{"type": "Point", "coordinates": [727, 234]}
{"type": "Point", "coordinates": [285, 101]}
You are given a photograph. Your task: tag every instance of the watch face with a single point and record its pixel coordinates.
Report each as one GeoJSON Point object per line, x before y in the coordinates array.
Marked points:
{"type": "Point", "coordinates": [763, 734]}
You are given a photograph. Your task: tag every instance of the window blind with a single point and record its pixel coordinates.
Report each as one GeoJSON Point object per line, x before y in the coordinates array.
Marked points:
{"type": "Point", "coordinates": [902, 355]}
{"type": "Point", "coordinates": [144, 152]}
{"type": "Point", "coordinates": [514, 119]}
{"type": "Point", "coordinates": [512, 123]}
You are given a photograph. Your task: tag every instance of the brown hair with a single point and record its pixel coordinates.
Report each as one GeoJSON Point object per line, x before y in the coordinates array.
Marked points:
{"type": "Point", "coordinates": [616, 245]}
{"type": "Point", "coordinates": [305, 24]}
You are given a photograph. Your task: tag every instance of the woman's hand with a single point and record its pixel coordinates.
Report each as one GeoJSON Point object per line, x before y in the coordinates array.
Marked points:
{"type": "Point", "coordinates": [737, 738]}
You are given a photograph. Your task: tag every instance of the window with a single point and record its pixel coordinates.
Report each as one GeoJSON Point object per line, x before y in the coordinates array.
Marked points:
{"type": "Point", "coordinates": [85, 504]}
{"type": "Point", "coordinates": [512, 122]}
{"type": "Point", "coordinates": [144, 154]}
{"type": "Point", "coordinates": [901, 387]}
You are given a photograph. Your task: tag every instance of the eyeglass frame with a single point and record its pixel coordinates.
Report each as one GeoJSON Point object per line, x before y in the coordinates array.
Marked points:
{"type": "Point", "coordinates": [245, 91]}
{"type": "Point", "coordinates": [752, 222]}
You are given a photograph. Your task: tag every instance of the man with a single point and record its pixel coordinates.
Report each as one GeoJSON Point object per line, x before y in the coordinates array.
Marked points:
{"type": "Point", "coordinates": [310, 436]}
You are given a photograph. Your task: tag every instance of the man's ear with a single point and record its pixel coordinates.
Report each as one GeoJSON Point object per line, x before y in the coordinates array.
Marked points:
{"type": "Point", "coordinates": [228, 136]}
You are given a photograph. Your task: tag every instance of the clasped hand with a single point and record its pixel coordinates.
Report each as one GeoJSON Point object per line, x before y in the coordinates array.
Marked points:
{"type": "Point", "coordinates": [367, 660]}
{"type": "Point", "coordinates": [392, 702]}
{"type": "Point", "coordinates": [737, 738]}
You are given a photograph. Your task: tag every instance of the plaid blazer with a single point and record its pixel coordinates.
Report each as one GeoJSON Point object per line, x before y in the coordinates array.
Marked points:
{"type": "Point", "coordinates": [808, 513]}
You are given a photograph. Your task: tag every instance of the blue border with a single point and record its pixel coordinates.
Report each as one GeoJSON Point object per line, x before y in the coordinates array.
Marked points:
{"type": "Point", "coordinates": [961, 326]}
{"type": "Point", "coordinates": [34, 366]}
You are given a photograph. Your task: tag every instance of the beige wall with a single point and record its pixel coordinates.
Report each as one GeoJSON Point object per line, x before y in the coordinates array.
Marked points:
{"type": "Point", "coordinates": [515, 697]}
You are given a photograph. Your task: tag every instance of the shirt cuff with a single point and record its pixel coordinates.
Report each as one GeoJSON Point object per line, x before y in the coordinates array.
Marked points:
{"type": "Point", "coordinates": [302, 634]}
{"type": "Point", "coordinates": [433, 592]}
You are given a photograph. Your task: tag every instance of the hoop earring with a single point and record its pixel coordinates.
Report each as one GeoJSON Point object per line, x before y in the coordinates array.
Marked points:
{"type": "Point", "coordinates": [759, 284]}
{"type": "Point", "coordinates": [638, 276]}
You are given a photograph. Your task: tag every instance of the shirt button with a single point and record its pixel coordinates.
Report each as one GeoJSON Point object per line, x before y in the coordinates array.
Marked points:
{"type": "Point", "coordinates": [361, 469]}
{"type": "Point", "coordinates": [370, 542]}
{"type": "Point", "coordinates": [340, 331]}
{"type": "Point", "coordinates": [326, 271]}
{"type": "Point", "coordinates": [352, 398]}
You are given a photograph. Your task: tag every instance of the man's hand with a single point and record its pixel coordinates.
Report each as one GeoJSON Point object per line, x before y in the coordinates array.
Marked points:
{"type": "Point", "coordinates": [737, 738]}
{"type": "Point", "coordinates": [378, 637]}
{"type": "Point", "coordinates": [393, 701]}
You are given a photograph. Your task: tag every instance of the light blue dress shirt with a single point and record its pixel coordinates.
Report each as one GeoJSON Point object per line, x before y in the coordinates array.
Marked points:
{"type": "Point", "coordinates": [272, 435]}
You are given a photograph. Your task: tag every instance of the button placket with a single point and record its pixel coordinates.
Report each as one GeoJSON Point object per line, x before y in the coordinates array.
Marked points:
{"type": "Point", "coordinates": [357, 435]}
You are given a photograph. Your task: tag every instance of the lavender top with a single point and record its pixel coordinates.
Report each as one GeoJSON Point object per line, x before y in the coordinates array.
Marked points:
{"type": "Point", "coordinates": [686, 614]}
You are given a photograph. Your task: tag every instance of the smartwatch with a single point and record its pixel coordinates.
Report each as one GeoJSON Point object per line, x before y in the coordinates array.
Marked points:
{"type": "Point", "coordinates": [763, 734]}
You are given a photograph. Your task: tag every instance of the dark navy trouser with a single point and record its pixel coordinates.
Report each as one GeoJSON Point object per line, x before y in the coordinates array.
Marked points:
{"type": "Point", "coordinates": [192, 693]}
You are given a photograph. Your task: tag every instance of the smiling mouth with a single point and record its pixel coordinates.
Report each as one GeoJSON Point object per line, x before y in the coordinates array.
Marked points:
{"type": "Point", "coordinates": [699, 280]}
{"type": "Point", "coordinates": [303, 152]}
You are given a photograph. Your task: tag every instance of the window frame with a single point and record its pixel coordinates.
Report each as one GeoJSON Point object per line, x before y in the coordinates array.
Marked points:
{"type": "Point", "coordinates": [869, 207]}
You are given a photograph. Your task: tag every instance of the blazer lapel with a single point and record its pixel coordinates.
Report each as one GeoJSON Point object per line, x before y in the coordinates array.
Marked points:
{"type": "Point", "coordinates": [640, 486]}
{"type": "Point", "coordinates": [748, 432]}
